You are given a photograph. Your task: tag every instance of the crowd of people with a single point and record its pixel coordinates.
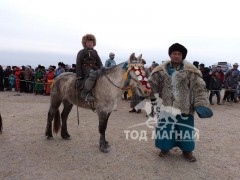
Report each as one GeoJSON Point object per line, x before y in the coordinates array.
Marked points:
{"type": "Point", "coordinates": [38, 80]}
{"type": "Point", "coordinates": [29, 80]}
{"type": "Point", "coordinates": [216, 80]}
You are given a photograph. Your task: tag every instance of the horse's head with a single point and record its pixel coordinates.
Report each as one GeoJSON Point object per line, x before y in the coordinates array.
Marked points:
{"type": "Point", "coordinates": [136, 76]}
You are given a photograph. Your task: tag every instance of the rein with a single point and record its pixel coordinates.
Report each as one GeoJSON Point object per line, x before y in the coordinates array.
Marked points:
{"type": "Point", "coordinates": [122, 88]}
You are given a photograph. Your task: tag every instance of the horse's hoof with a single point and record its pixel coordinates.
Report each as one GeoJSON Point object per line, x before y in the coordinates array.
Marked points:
{"type": "Point", "coordinates": [107, 145]}
{"type": "Point", "coordinates": [103, 150]}
{"type": "Point", "coordinates": [66, 136]}
{"type": "Point", "coordinates": [49, 137]}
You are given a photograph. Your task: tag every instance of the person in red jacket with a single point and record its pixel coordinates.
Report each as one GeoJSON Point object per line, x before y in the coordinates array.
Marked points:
{"type": "Point", "coordinates": [49, 77]}
{"type": "Point", "coordinates": [220, 73]}
{"type": "Point", "coordinates": [17, 74]}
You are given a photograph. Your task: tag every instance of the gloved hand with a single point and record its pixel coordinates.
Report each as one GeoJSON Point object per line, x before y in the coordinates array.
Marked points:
{"type": "Point", "coordinates": [79, 84]}
{"type": "Point", "coordinates": [203, 112]}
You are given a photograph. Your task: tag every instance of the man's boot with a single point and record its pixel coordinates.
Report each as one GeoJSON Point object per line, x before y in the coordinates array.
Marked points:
{"type": "Point", "coordinates": [210, 100]}
{"type": "Point", "coordinates": [189, 156]}
{"type": "Point", "coordinates": [218, 100]}
{"type": "Point", "coordinates": [89, 83]}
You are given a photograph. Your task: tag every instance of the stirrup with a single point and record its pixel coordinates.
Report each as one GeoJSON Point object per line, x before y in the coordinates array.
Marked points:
{"type": "Point", "coordinates": [89, 98]}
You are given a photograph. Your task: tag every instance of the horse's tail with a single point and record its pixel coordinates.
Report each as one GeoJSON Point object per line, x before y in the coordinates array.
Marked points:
{"type": "Point", "coordinates": [0, 124]}
{"type": "Point", "coordinates": [57, 122]}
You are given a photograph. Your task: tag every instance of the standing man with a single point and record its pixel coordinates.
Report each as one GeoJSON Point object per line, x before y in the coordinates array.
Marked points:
{"type": "Point", "coordinates": [39, 76]}
{"type": "Point", "coordinates": [179, 85]}
{"type": "Point", "coordinates": [88, 67]}
{"type": "Point", "coordinates": [232, 78]}
{"type": "Point", "coordinates": [7, 73]}
{"type": "Point", "coordinates": [110, 62]}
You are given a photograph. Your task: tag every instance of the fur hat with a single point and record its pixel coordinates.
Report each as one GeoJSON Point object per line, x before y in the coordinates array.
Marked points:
{"type": "Point", "coordinates": [88, 37]}
{"type": "Point", "coordinates": [61, 64]}
{"type": "Point", "coordinates": [178, 47]}
{"type": "Point", "coordinates": [196, 63]}
{"type": "Point", "coordinates": [51, 67]}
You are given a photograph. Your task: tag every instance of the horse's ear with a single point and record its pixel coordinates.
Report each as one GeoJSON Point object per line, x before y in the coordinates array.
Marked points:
{"type": "Point", "coordinates": [131, 58]}
{"type": "Point", "coordinates": [139, 58]}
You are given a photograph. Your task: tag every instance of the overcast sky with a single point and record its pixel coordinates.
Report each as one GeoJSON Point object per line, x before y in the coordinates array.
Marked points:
{"type": "Point", "coordinates": [48, 31]}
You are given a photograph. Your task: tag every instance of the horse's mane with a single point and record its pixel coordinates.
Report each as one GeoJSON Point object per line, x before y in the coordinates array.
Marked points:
{"type": "Point", "coordinates": [111, 69]}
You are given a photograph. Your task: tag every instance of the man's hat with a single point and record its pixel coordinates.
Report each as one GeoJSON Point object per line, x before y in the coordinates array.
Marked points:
{"type": "Point", "coordinates": [73, 65]}
{"type": "Point", "coordinates": [235, 64]}
{"type": "Point", "coordinates": [178, 47]}
{"type": "Point", "coordinates": [111, 54]}
{"type": "Point", "coordinates": [61, 64]}
{"type": "Point", "coordinates": [88, 37]}
{"type": "Point", "coordinates": [51, 67]}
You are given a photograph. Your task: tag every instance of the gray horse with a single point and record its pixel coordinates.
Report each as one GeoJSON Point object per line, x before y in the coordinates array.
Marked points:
{"type": "Point", "coordinates": [107, 91]}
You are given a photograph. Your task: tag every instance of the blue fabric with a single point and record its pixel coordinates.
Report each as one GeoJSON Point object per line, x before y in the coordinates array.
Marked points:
{"type": "Point", "coordinates": [125, 65]}
{"type": "Point", "coordinates": [171, 71]}
{"type": "Point", "coordinates": [203, 112]}
{"type": "Point", "coordinates": [181, 136]}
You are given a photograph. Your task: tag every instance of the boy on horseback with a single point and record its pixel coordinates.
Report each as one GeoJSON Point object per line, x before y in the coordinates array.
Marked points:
{"type": "Point", "coordinates": [88, 67]}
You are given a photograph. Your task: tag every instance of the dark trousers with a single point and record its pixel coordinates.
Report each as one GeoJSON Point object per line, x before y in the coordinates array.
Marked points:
{"type": "Point", "coordinates": [1, 84]}
{"type": "Point", "coordinates": [212, 93]}
{"type": "Point", "coordinates": [228, 94]}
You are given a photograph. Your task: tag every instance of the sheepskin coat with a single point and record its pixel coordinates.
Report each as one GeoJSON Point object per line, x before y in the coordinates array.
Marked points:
{"type": "Point", "coordinates": [184, 90]}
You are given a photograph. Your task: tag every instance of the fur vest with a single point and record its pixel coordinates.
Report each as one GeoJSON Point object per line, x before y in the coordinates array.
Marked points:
{"type": "Point", "coordinates": [184, 90]}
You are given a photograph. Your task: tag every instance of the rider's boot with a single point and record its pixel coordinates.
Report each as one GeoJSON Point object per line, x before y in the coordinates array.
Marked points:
{"type": "Point", "coordinates": [90, 82]}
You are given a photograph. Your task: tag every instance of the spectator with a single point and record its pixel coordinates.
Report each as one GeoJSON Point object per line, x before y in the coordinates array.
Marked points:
{"type": "Point", "coordinates": [60, 69]}
{"type": "Point", "coordinates": [196, 63]}
{"type": "Point", "coordinates": [7, 73]}
{"type": "Point", "coordinates": [231, 83]}
{"type": "Point", "coordinates": [39, 80]}
{"type": "Point", "coordinates": [110, 62]}
{"type": "Point", "coordinates": [28, 78]}
{"type": "Point", "coordinates": [154, 64]}
{"type": "Point", "coordinates": [73, 69]}
{"type": "Point", "coordinates": [12, 81]}
{"type": "Point", "coordinates": [215, 87]}
{"type": "Point", "coordinates": [220, 73]}
{"type": "Point", "coordinates": [49, 77]}
{"type": "Point", "coordinates": [17, 74]}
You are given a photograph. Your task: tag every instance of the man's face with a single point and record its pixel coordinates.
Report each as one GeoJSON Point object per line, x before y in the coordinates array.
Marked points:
{"type": "Point", "coordinates": [201, 68]}
{"type": "Point", "coordinates": [176, 57]}
{"type": "Point", "coordinates": [89, 44]}
{"type": "Point", "coordinates": [112, 57]}
{"type": "Point", "coordinates": [235, 66]}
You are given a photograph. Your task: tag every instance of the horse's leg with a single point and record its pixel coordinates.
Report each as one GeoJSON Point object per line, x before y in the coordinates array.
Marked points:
{"type": "Point", "coordinates": [51, 113]}
{"type": "Point", "coordinates": [0, 124]}
{"type": "Point", "coordinates": [64, 115]}
{"type": "Point", "coordinates": [103, 120]}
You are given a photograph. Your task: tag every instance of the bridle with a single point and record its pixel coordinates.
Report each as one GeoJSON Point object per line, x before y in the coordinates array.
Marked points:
{"type": "Point", "coordinates": [142, 78]}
